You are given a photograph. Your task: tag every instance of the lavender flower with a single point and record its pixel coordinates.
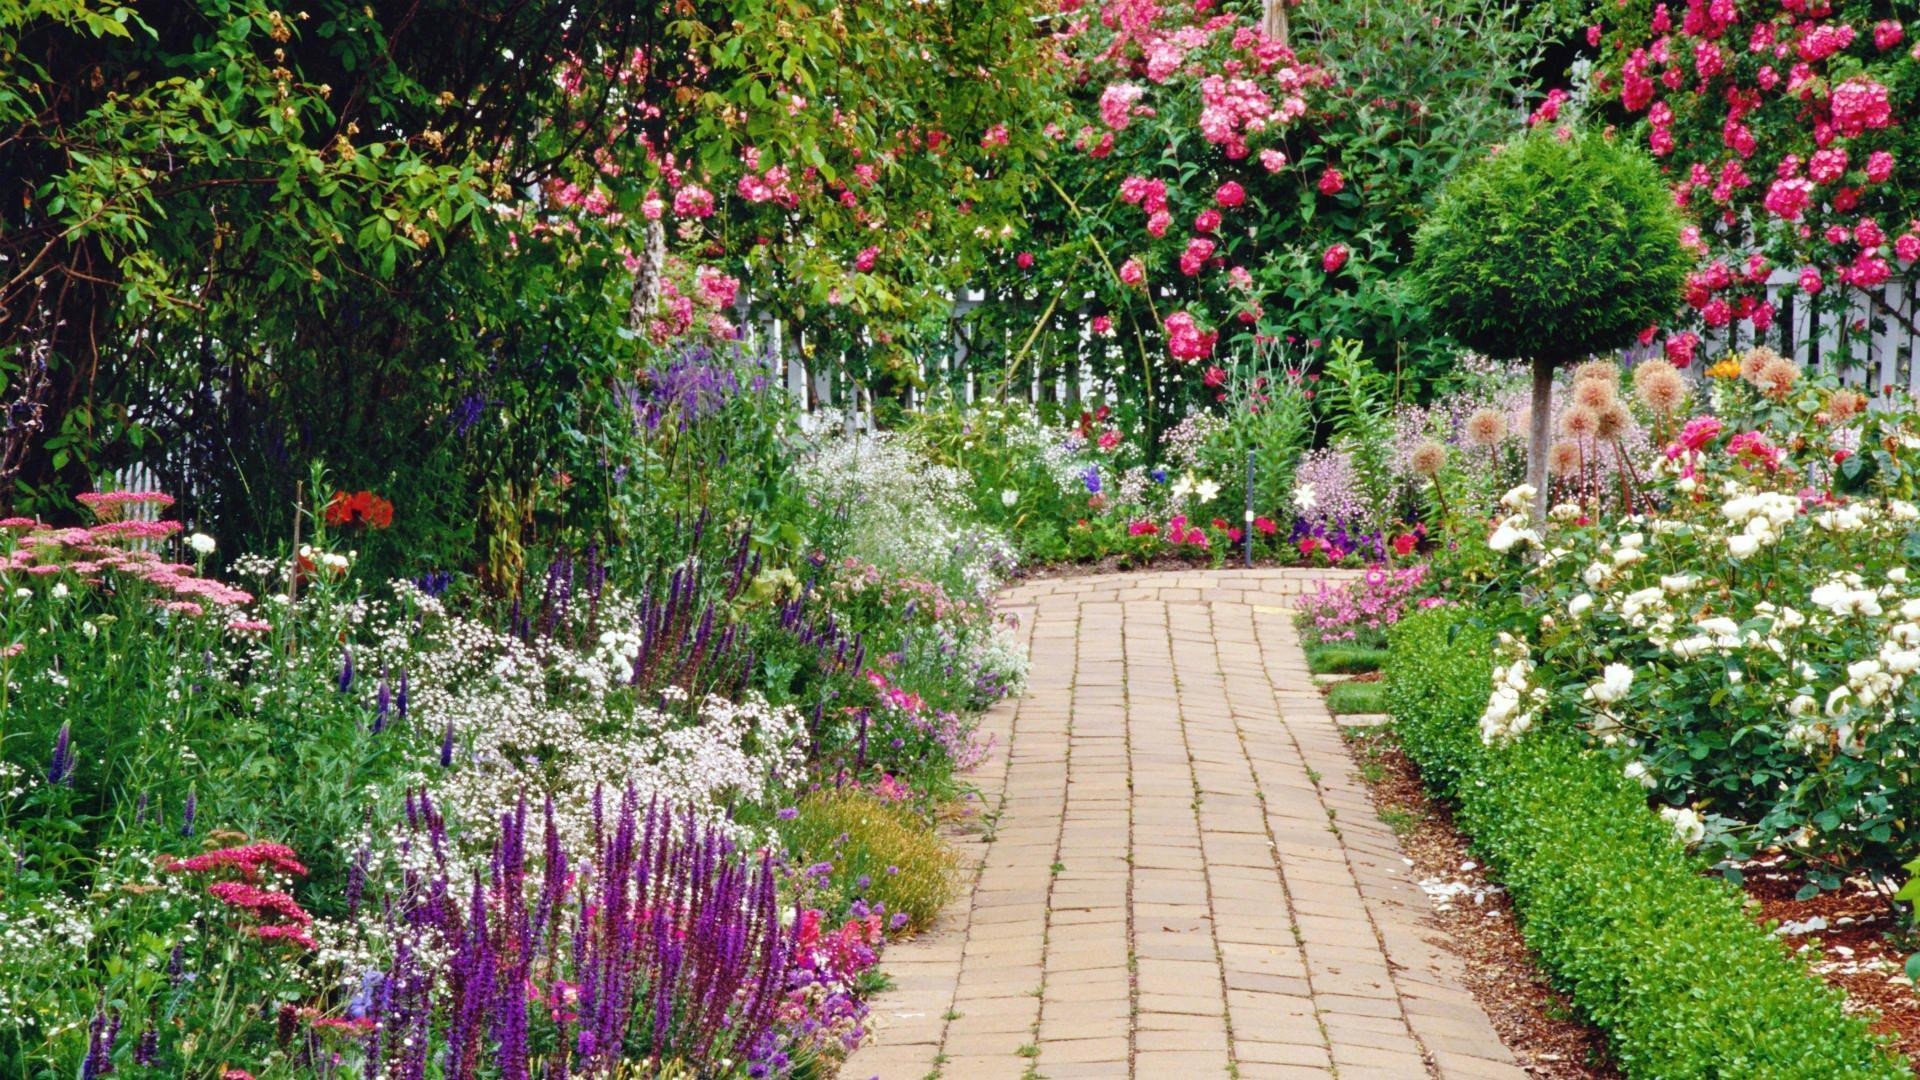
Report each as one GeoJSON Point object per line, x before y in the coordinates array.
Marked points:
{"type": "Point", "coordinates": [187, 813]}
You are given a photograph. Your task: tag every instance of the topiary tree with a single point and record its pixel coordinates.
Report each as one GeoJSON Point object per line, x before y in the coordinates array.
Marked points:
{"type": "Point", "coordinates": [1561, 244]}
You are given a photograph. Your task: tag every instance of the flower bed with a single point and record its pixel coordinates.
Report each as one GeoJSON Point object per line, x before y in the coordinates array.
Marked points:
{"type": "Point", "coordinates": [659, 806]}
{"type": "Point", "coordinates": [1661, 957]}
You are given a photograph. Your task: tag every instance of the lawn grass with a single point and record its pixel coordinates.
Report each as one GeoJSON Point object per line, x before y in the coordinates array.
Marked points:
{"type": "Point", "coordinates": [1357, 697]}
{"type": "Point", "coordinates": [1344, 659]}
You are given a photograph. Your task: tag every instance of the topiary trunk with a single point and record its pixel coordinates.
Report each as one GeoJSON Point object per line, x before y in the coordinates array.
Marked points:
{"type": "Point", "coordinates": [1539, 431]}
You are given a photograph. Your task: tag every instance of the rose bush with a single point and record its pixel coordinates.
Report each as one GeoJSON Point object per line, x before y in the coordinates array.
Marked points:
{"type": "Point", "coordinates": [1744, 644]}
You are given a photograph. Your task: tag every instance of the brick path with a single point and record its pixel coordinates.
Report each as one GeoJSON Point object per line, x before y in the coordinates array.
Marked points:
{"type": "Point", "coordinates": [1175, 873]}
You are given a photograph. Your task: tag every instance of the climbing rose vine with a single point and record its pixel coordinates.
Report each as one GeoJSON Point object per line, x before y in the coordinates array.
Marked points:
{"type": "Point", "coordinates": [1776, 121]}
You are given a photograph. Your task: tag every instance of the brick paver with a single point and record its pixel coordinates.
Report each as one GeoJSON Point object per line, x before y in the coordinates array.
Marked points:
{"type": "Point", "coordinates": [1172, 871]}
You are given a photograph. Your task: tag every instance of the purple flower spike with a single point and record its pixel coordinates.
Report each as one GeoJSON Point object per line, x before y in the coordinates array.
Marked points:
{"type": "Point", "coordinates": [60, 766]}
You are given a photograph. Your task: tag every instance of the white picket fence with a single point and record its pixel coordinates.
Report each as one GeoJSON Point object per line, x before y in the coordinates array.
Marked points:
{"type": "Point", "coordinates": [1885, 356]}
{"type": "Point", "coordinates": [1888, 355]}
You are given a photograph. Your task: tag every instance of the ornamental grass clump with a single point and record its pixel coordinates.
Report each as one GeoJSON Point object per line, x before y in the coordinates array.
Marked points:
{"type": "Point", "coordinates": [1563, 243]}
{"type": "Point", "coordinates": [866, 849]}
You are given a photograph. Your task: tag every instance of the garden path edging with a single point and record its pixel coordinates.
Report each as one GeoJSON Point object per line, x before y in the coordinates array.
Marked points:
{"type": "Point", "coordinates": [1201, 887]}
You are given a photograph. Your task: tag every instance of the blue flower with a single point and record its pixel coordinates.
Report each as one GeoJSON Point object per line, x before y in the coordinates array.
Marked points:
{"type": "Point", "coordinates": [1092, 479]}
{"type": "Point", "coordinates": [1159, 476]}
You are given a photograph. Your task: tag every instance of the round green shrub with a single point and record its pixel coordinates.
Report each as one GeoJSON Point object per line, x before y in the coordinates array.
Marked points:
{"type": "Point", "coordinates": [1562, 243]}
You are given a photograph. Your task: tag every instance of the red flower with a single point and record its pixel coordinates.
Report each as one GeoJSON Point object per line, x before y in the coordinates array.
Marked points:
{"type": "Point", "coordinates": [1265, 525]}
{"type": "Point", "coordinates": [358, 508]}
{"type": "Point", "coordinates": [1334, 259]}
{"type": "Point", "coordinates": [1309, 545]}
{"type": "Point", "coordinates": [1404, 544]}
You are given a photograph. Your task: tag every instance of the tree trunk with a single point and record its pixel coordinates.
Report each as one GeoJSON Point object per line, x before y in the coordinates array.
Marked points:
{"type": "Point", "coordinates": [1273, 22]}
{"type": "Point", "coordinates": [646, 280]}
{"type": "Point", "coordinates": [1539, 429]}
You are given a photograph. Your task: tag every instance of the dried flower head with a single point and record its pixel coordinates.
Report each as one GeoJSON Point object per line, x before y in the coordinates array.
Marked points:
{"type": "Point", "coordinates": [1754, 361]}
{"type": "Point", "coordinates": [1486, 427]}
{"type": "Point", "coordinates": [1660, 387]}
{"type": "Point", "coordinates": [1614, 422]}
{"type": "Point", "coordinates": [1580, 422]}
{"type": "Point", "coordinates": [1565, 458]}
{"type": "Point", "coordinates": [1600, 371]}
{"type": "Point", "coordinates": [1777, 378]}
{"type": "Point", "coordinates": [1595, 394]}
{"type": "Point", "coordinates": [1429, 458]}
{"type": "Point", "coordinates": [1845, 404]}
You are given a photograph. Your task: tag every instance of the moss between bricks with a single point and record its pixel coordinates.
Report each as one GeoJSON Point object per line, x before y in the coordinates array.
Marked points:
{"type": "Point", "coordinates": [1660, 956]}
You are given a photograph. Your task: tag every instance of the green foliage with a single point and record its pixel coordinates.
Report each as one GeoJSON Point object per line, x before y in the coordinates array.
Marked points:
{"type": "Point", "coordinates": [1352, 698]}
{"type": "Point", "coordinates": [1661, 957]}
{"type": "Point", "coordinates": [1356, 402]}
{"type": "Point", "coordinates": [1344, 659]}
{"type": "Point", "coordinates": [1562, 243]}
{"type": "Point", "coordinates": [882, 852]}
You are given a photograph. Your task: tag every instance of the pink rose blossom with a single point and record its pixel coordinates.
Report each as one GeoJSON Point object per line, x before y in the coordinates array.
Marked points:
{"type": "Point", "coordinates": [1860, 105]}
{"type": "Point", "coordinates": [1192, 260]}
{"type": "Point", "coordinates": [1334, 258]}
{"type": "Point", "coordinates": [1116, 104]}
{"type": "Point", "coordinates": [1230, 195]}
{"type": "Point", "coordinates": [1186, 341]}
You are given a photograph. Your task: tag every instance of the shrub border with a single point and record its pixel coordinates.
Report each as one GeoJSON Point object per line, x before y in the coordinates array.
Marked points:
{"type": "Point", "coordinates": [1660, 956]}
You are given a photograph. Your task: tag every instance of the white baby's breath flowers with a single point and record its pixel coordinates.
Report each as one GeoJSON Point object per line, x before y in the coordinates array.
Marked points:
{"type": "Point", "coordinates": [201, 543]}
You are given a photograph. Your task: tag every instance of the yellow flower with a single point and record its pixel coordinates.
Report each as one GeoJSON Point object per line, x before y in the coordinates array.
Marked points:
{"type": "Point", "coordinates": [1725, 369]}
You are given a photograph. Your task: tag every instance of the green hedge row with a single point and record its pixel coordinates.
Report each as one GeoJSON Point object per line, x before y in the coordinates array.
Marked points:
{"type": "Point", "coordinates": [1660, 956]}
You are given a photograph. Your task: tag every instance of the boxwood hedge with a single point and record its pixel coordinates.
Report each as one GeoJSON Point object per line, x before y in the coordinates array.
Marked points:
{"type": "Point", "coordinates": [1657, 954]}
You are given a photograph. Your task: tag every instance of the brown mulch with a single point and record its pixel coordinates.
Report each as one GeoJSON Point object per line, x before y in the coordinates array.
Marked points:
{"type": "Point", "coordinates": [1535, 1021]}
{"type": "Point", "coordinates": [1847, 938]}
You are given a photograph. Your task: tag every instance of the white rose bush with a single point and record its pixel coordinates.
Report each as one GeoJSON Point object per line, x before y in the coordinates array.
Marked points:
{"type": "Point", "coordinates": [1748, 637]}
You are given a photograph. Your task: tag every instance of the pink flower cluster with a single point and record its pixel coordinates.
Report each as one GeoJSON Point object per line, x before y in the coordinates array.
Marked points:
{"type": "Point", "coordinates": [1117, 104]}
{"type": "Point", "coordinates": [1186, 340]}
{"type": "Point", "coordinates": [1380, 598]}
{"type": "Point", "coordinates": [281, 918]}
{"type": "Point", "coordinates": [1798, 102]}
{"type": "Point", "coordinates": [92, 552]}
{"type": "Point", "coordinates": [694, 201]}
{"type": "Point", "coordinates": [248, 859]}
{"type": "Point", "coordinates": [1234, 108]}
